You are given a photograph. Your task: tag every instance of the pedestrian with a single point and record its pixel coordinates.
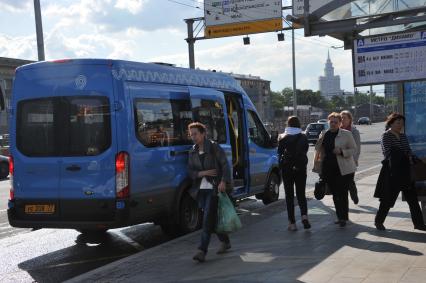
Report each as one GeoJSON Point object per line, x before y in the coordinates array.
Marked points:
{"type": "Point", "coordinates": [347, 124]}
{"type": "Point", "coordinates": [292, 150]}
{"type": "Point", "coordinates": [210, 172]}
{"type": "Point", "coordinates": [395, 174]}
{"type": "Point", "coordinates": [334, 162]}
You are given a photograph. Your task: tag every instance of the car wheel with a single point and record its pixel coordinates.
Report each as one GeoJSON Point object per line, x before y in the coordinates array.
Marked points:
{"type": "Point", "coordinates": [190, 217]}
{"type": "Point", "coordinates": [4, 170]}
{"type": "Point", "coordinates": [272, 189]}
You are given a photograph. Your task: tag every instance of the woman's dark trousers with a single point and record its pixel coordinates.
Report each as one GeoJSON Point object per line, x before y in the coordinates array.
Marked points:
{"type": "Point", "coordinates": [204, 202]}
{"type": "Point", "coordinates": [290, 179]}
{"type": "Point", "coordinates": [413, 203]}
{"type": "Point", "coordinates": [339, 188]}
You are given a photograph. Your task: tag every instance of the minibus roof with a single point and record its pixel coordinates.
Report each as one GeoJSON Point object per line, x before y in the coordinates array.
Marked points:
{"type": "Point", "coordinates": [150, 73]}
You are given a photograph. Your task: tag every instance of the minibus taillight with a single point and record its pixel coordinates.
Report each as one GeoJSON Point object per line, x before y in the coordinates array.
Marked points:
{"type": "Point", "coordinates": [11, 169]}
{"type": "Point", "coordinates": [122, 175]}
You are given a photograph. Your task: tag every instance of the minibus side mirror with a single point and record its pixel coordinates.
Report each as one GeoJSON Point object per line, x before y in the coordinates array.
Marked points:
{"type": "Point", "coordinates": [2, 96]}
{"type": "Point", "coordinates": [274, 138]}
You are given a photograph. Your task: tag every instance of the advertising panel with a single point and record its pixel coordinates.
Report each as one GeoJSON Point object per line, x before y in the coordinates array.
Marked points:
{"type": "Point", "coordinates": [415, 115]}
{"type": "Point", "coordinates": [241, 17]}
{"type": "Point", "coordinates": [389, 58]}
{"type": "Point", "coordinates": [299, 6]}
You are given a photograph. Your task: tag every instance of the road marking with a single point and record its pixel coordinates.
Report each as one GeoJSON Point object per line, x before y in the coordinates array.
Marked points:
{"type": "Point", "coordinates": [130, 241]}
{"type": "Point", "coordinates": [3, 210]}
{"type": "Point", "coordinates": [368, 169]}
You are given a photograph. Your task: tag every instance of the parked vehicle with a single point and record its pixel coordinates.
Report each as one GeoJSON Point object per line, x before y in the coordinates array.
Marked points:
{"type": "Point", "coordinates": [99, 144]}
{"type": "Point", "coordinates": [313, 130]}
{"type": "Point", "coordinates": [364, 121]}
{"type": "Point", "coordinates": [4, 167]}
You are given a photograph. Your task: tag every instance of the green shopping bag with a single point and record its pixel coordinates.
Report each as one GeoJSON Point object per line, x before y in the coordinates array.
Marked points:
{"type": "Point", "coordinates": [227, 218]}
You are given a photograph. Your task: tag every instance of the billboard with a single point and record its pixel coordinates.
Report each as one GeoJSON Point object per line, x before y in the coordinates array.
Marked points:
{"type": "Point", "coordinates": [299, 6]}
{"type": "Point", "coordinates": [415, 114]}
{"type": "Point", "coordinates": [240, 17]}
{"type": "Point", "coordinates": [389, 58]}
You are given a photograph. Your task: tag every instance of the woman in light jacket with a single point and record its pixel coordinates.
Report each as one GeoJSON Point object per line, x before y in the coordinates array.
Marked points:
{"type": "Point", "coordinates": [348, 125]}
{"type": "Point", "coordinates": [335, 163]}
{"type": "Point", "coordinates": [210, 172]}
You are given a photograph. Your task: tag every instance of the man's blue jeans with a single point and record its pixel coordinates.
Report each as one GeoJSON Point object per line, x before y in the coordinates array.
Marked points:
{"type": "Point", "coordinates": [204, 201]}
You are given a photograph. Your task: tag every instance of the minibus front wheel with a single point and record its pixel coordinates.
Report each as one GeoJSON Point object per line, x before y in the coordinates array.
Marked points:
{"type": "Point", "coordinates": [272, 189]}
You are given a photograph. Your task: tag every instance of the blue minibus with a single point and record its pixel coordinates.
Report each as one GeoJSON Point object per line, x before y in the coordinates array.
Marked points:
{"type": "Point", "coordinates": [98, 144]}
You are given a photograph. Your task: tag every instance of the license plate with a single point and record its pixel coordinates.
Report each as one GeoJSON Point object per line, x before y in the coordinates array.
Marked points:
{"type": "Point", "coordinates": [313, 133]}
{"type": "Point", "coordinates": [40, 208]}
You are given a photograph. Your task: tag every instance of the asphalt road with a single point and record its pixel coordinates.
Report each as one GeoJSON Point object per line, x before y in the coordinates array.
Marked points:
{"type": "Point", "coordinates": [52, 255]}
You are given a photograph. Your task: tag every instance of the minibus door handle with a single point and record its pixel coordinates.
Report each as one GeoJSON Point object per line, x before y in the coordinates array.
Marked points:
{"type": "Point", "coordinates": [74, 168]}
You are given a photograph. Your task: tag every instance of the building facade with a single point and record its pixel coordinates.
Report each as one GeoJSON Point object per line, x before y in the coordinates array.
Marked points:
{"type": "Point", "coordinates": [329, 84]}
{"type": "Point", "coordinates": [7, 73]}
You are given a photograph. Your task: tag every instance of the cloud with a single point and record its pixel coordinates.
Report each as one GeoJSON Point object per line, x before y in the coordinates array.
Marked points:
{"type": "Point", "coordinates": [22, 47]}
{"type": "Point", "coordinates": [119, 15]}
{"type": "Point", "coordinates": [16, 6]}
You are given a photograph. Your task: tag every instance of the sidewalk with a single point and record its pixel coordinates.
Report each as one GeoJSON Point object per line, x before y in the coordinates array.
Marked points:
{"type": "Point", "coordinates": [264, 251]}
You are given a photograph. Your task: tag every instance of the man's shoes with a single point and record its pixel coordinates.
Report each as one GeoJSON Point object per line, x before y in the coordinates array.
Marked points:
{"type": "Point", "coordinates": [306, 224]}
{"type": "Point", "coordinates": [380, 226]}
{"type": "Point", "coordinates": [224, 247]}
{"type": "Point", "coordinates": [421, 227]}
{"type": "Point", "coordinates": [200, 256]}
{"type": "Point", "coordinates": [342, 223]}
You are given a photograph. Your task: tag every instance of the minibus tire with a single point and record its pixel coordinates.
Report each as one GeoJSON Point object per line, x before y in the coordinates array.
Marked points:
{"type": "Point", "coordinates": [272, 192]}
{"type": "Point", "coordinates": [190, 217]}
{"type": "Point", "coordinates": [4, 170]}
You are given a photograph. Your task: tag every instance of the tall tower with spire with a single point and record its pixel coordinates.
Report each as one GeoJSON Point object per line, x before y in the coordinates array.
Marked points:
{"type": "Point", "coordinates": [329, 84]}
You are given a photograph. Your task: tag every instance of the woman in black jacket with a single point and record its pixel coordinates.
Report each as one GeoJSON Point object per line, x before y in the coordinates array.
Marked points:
{"type": "Point", "coordinates": [292, 149]}
{"type": "Point", "coordinates": [395, 174]}
{"type": "Point", "coordinates": [210, 172]}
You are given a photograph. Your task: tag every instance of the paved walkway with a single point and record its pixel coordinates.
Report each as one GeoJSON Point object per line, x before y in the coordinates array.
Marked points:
{"type": "Point", "coordinates": [264, 251]}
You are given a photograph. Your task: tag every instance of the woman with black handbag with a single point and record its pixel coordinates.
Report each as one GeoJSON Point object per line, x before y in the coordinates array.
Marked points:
{"type": "Point", "coordinates": [395, 174]}
{"type": "Point", "coordinates": [292, 149]}
{"type": "Point", "coordinates": [209, 170]}
{"type": "Point", "coordinates": [334, 162]}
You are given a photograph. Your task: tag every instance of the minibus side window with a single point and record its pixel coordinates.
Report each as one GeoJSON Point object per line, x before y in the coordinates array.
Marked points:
{"type": "Point", "coordinates": [162, 122]}
{"type": "Point", "coordinates": [257, 132]}
{"type": "Point", "coordinates": [210, 113]}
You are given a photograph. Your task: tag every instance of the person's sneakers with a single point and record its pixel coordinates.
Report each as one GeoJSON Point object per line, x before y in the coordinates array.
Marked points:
{"type": "Point", "coordinates": [380, 226]}
{"type": "Point", "coordinates": [421, 227]}
{"type": "Point", "coordinates": [200, 256]}
{"type": "Point", "coordinates": [292, 227]}
{"type": "Point", "coordinates": [224, 247]}
{"type": "Point", "coordinates": [306, 224]}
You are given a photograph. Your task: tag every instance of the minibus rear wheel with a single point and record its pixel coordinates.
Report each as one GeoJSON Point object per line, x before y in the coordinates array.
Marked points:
{"type": "Point", "coordinates": [272, 189]}
{"type": "Point", "coordinates": [190, 218]}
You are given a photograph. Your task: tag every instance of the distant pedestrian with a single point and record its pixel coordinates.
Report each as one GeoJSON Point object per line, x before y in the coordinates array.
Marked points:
{"type": "Point", "coordinates": [348, 125]}
{"type": "Point", "coordinates": [209, 170]}
{"type": "Point", "coordinates": [292, 150]}
{"type": "Point", "coordinates": [395, 174]}
{"type": "Point", "coordinates": [334, 161]}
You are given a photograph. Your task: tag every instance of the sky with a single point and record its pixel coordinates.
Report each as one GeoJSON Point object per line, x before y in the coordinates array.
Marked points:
{"type": "Point", "coordinates": [154, 31]}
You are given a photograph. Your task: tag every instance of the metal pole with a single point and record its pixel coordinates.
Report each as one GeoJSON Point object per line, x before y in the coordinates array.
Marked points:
{"type": "Point", "coordinates": [191, 41]}
{"type": "Point", "coordinates": [39, 30]}
{"type": "Point", "coordinates": [294, 74]}
{"type": "Point", "coordinates": [371, 105]}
